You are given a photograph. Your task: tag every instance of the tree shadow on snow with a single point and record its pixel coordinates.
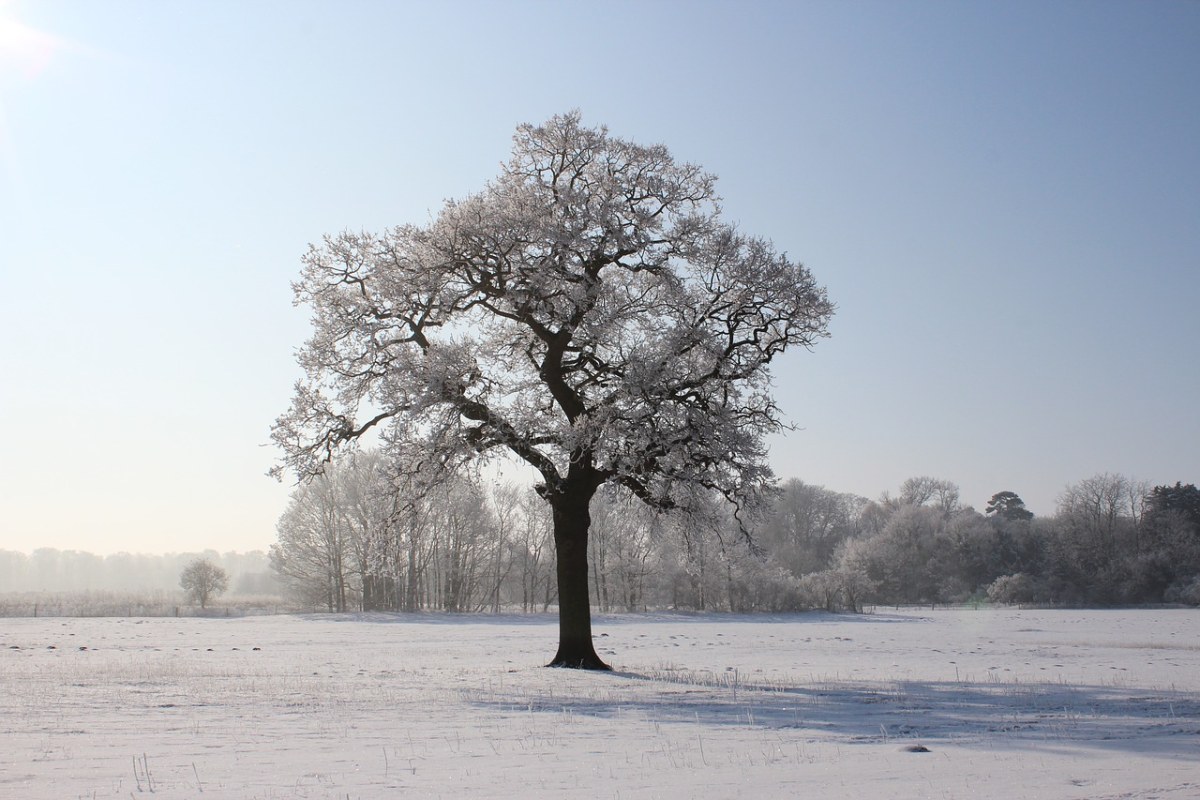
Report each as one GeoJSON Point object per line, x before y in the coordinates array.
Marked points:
{"type": "Point", "coordinates": [1014, 715]}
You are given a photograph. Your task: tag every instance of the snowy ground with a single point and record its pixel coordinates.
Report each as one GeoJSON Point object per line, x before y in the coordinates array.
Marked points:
{"type": "Point", "coordinates": [1009, 704]}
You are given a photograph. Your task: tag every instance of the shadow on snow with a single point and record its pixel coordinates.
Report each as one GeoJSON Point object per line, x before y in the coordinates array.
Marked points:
{"type": "Point", "coordinates": [1039, 716]}
{"type": "Point", "coordinates": [1015, 715]}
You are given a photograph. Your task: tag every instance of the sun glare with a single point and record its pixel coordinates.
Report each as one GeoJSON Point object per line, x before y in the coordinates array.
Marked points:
{"type": "Point", "coordinates": [23, 49]}
{"type": "Point", "coordinates": [25, 53]}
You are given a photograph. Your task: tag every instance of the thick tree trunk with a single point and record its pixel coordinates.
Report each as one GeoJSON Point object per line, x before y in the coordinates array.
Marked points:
{"type": "Point", "coordinates": [571, 523]}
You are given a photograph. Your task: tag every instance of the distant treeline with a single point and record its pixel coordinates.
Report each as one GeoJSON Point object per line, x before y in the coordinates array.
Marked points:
{"type": "Point", "coordinates": [71, 571]}
{"type": "Point", "coordinates": [349, 541]}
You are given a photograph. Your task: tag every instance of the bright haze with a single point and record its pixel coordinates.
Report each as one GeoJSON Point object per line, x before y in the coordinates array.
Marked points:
{"type": "Point", "coordinates": [1003, 200]}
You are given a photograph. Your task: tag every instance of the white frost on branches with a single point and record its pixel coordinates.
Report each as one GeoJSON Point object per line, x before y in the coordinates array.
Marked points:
{"type": "Point", "coordinates": [588, 311]}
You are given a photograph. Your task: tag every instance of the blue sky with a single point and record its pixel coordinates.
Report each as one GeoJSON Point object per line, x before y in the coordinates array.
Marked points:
{"type": "Point", "coordinates": [1002, 198]}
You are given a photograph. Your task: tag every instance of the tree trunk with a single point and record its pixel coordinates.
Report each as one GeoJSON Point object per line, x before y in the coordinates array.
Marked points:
{"type": "Point", "coordinates": [571, 522]}
{"type": "Point", "coordinates": [410, 588]}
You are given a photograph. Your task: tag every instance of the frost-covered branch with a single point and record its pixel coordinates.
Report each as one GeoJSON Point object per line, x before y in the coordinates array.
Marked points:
{"type": "Point", "coordinates": [587, 311]}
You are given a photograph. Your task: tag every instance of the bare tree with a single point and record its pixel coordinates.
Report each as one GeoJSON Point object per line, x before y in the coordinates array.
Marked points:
{"type": "Point", "coordinates": [534, 534]}
{"type": "Point", "coordinates": [588, 313]}
{"type": "Point", "coordinates": [460, 522]}
{"type": "Point", "coordinates": [623, 531]}
{"type": "Point", "coordinates": [312, 548]}
{"type": "Point", "coordinates": [807, 524]}
{"type": "Point", "coordinates": [1095, 512]}
{"type": "Point", "coordinates": [202, 581]}
{"type": "Point", "coordinates": [363, 506]}
{"type": "Point", "coordinates": [924, 490]}
{"type": "Point", "coordinates": [504, 505]}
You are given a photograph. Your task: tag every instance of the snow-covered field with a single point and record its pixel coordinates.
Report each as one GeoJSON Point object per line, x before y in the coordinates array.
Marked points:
{"type": "Point", "coordinates": [1009, 704]}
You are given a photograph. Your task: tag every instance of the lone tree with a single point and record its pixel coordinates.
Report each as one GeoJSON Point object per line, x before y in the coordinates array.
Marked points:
{"type": "Point", "coordinates": [202, 581]}
{"type": "Point", "coordinates": [1009, 506]}
{"type": "Point", "coordinates": [588, 312]}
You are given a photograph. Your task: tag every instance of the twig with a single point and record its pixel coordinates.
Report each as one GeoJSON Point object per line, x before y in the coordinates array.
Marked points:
{"type": "Point", "coordinates": [144, 773]}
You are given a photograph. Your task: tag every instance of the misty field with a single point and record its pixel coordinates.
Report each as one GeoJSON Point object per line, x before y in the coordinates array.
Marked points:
{"type": "Point", "coordinates": [907, 704]}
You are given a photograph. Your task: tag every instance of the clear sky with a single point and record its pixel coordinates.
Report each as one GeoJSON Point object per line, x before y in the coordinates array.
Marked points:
{"type": "Point", "coordinates": [1002, 198]}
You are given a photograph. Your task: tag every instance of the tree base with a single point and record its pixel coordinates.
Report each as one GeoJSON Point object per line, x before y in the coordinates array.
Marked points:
{"type": "Point", "coordinates": [576, 661]}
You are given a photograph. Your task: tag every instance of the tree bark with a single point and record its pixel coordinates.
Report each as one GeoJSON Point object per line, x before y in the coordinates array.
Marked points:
{"type": "Point", "coordinates": [572, 520]}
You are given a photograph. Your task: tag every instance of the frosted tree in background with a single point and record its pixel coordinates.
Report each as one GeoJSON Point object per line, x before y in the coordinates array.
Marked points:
{"type": "Point", "coordinates": [315, 552]}
{"type": "Point", "coordinates": [588, 313]}
{"type": "Point", "coordinates": [202, 581]}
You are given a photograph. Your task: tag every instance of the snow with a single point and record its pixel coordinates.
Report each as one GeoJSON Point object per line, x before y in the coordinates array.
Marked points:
{"type": "Point", "coordinates": [1009, 703]}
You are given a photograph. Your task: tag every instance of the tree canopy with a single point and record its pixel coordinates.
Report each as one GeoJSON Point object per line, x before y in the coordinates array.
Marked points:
{"type": "Point", "coordinates": [588, 312]}
{"type": "Point", "coordinates": [1008, 505]}
{"type": "Point", "coordinates": [202, 581]}
{"type": "Point", "coordinates": [1182, 499]}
